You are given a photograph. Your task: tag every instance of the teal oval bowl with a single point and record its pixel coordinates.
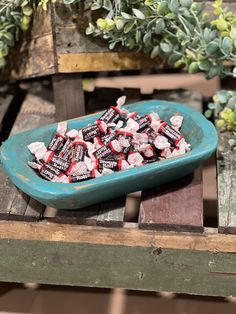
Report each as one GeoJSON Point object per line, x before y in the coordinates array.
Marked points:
{"type": "Point", "coordinates": [197, 129]}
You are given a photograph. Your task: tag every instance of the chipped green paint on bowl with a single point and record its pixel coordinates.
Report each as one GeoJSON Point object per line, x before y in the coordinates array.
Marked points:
{"type": "Point", "coordinates": [198, 131]}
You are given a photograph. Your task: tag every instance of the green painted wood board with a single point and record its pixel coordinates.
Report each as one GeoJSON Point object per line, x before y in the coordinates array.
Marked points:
{"type": "Point", "coordinates": [139, 268]}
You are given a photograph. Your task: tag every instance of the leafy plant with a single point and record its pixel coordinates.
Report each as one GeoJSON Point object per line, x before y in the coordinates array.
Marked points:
{"type": "Point", "coordinates": [177, 31]}
{"type": "Point", "coordinates": [224, 109]}
{"type": "Point", "coordinates": [14, 15]}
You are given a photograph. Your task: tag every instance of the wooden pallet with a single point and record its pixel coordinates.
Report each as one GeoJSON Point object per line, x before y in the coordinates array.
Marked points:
{"type": "Point", "coordinates": [154, 240]}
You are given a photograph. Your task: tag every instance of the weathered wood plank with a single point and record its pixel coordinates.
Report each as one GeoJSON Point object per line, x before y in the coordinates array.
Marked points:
{"type": "Point", "coordinates": [104, 61]}
{"type": "Point", "coordinates": [176, 206]}
{"type": "Point", "coordinates": [68, 96]}
{"type": "Point", "coordinates": [84, 216]}
{"type": "Point", "coordinates": [124, 258]}
{"type": "Point", "coordinates": [170, 207]}
{"type": "Point", "coordinates": [226, 181]}
{"type": "Point", "coordinates": [36, 50]}
{"type": "Point", "coordinates": [14, 202]}
{"type": "Point", "coordinates": [34, 209]}
{"type": "Point", "coordinates": [111, 213]}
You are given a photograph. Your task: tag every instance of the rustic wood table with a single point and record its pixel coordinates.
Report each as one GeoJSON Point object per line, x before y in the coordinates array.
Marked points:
{"type": "Point", "coordinates": [165, 246]}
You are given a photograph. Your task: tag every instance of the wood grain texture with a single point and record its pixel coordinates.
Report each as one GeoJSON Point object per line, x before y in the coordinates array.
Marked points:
{"type": "Point", "coordinates": [14, 203]}
{"type": "Point", "coordinates": [176, 206]}
{"type": "Point", "coordinates": [111, 213]}
{"type": "Point", "coordinates": [104, 61]}
{"type": "Point", "coordinates": [129, 236]}
{"type": "Point", "coordinates": [139, 268]}
{"type": "Point", "coordinates": [35, 54]}
{"type": "Point", "coordinates": [68, 96]}
{"type": "Point", "coordinates": [226, 180]}
{"type": "Point", "coordinates": [84, 216]}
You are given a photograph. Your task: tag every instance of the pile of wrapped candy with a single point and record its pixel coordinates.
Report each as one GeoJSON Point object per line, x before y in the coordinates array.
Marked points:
{"type": "Point", "coordinates": [118, 140]}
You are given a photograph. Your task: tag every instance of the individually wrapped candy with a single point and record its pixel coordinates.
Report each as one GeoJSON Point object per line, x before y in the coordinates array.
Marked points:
{"type": "Point", "coordinates": [38, 149]}
{"type": "Point", "coordinates": [49, 172]}
{"type": "Point", "coordinates": [88, 175]}
{"type": "Point", "coordinates": [161, 142]}
{"type": "Point", "coordinates": [89, 132]}
{"type": "Point", "coordinates": [59, 138]}
{"type": "Point", "coordinates": [114, 113]}
{"type": "Point", "coordinates": [176, 121]}
{"type": "Point", "coordinates": [135, 159]}
{"type": "Point", "coordinates": [111, 163]}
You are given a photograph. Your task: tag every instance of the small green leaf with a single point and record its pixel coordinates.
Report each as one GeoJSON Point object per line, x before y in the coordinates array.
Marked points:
{"type": "Point", "coordinates": [193, 68]}
{"type": "Point", "coordinates": [107, 5]}
{"type": "Point", "coordinates": [214, 71]}
{"type": "Point", "coordinates": [90, 29]}
{"type": "Point", "coordinates": [233, 32]}
{"type": "Point", "coordinates": [166, 47]}
{"type": "Point", "coordinates": [186, 3]}
{"type": "Point", "coordinates": [112, 45]}
{"type": "Point", "coordinates": [208, 113]}
{"type": "Point", "coordinates": [173, 58]}
{"type": "Point", "coordinates": [138, 14]}
{"type": "Point", "coordinates": [120, 23]}
{"type": "Point", "coordinates": [147, 38]}
{"type": "Point", "coordinates": [227, 46]}
{"type": "Point", "coordinates": [174, 6]}
{"type": "Point", "coordinates": [155, 52]}
{"type": "Point", "coordinates": [212, 48]}
{"type": "Point", "coordinates": [128, 27]}
{"type": "Point", "coordinates": [204, 65]}
{"type": "Point", "coordinates": [27, 10]}
{"type": "Point", "coordinates": [232, 103]}
{"type": "Point", "coordinates": [126, 16]}
{"type": "Point", "coordinates": [160, 25]}
{"type": "Point", "coordinates": [212, 106]}
{"type": "Point", "coordinates": [162, 8]}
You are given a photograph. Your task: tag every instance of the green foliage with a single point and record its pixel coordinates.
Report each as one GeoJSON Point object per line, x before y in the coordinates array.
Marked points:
{"type": "Point", "coordinates": [15, 15]}
{"type": "Point", "coordinates": [224, 109]}
{"type": "Point", "coordinates": [177, 31]}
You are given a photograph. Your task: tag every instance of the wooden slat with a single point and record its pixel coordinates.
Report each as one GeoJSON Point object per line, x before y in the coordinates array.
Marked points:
{"type": "Point", "coordinates": [104, 61]}
{"type": "Point", "coordinates": [170, 207]}
{"type": "Point", "coordinates": [84, 216]}
{"type": "Point", "coordinates": [111, 213]}
{"type": "Point", "coordinates": [174, 206]}
{"type": "Point", "coordinates": [109, 257]}
{"type": "Point", "coordinates": [14, 203]}
{"type": "Point", "coordinates": [226, 179]}
{"type": "Point", "coordinates": [35, 54]}
{"type": "Point", "coordinates": [68, 96]}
